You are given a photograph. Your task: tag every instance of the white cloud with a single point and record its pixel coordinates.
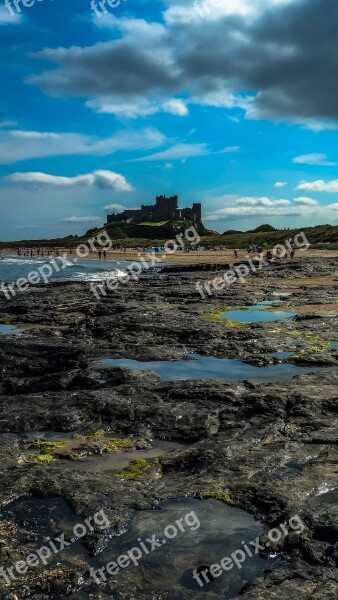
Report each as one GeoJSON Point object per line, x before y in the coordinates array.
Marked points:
{"type": "Point", "coordinates": [16, 145]}
{"type": "Point", "coordinates": [9, 16]}
{"type": "Point", "coordinates": [237, 213]}
{"type": "Point", "coordinates": [179, 151]}
{"type": "Point", "coordinates": [175, 106]}
{"type": "Point", "coordinates": [119, 207]}
{"type": "Point", "coordinates": [306, 201]}
{"type": "Point", "coordinates": [230, 149]}
{"type": "Point", "coordinates": [251, 209]}
{"type": "Point", "coordinates": [280, 184]}
{"type": "Point", "coordinates": [319, 186]}
{"type": "Point", "coordinates": [128, 108]}
{"type": "Point", "coordinates": [223, 98]}
{"type": "Point", "coordinates": [75, 219]}
{"type": "Point", "coordinates": [212, 10]}
{"type": "Point", "coordinates": [315, 159]}
{"type": "Point", "coordinates": [261, 201]}
{"type": "Point", "coordinates": [113, 181]}
{"type": "Point", "coordinates": [137, 28]}
{"type": "Point", "coordinates": [100, 179]}
{"type": "Point", "coordinates": [8, 124]}
{"type": "Point", "coordinates": [318, 125]}
{"type": "Point", "coordinates": [133, 109]}
{"type": "Point", "coordinates": [235, 207]}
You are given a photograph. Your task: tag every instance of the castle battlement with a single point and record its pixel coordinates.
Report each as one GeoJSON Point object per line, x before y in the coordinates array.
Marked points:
{"type": "Point", "coordinates": [165, 209]}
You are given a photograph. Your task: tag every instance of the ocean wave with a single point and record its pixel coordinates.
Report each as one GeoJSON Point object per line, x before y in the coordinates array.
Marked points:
{"type": "Point", "coordinates": [23, 261]}
{"type": "Point", "coordinates": [38, 261]}
{"type": "Point", "coordinates": [67, 263]}
{"type": "Point", "coordinates": [13, 267]}
{"type": "Point", "coordinates": [96, 269]}
{"type": "Point", "coordinates": [91, 275]}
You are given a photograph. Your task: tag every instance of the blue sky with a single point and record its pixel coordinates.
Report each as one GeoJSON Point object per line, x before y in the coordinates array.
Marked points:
{"type": "Point", "coordinates": [232, 103]}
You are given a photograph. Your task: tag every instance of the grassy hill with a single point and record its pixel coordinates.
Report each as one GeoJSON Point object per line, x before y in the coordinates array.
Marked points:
{"type": "Point", "coordinates": [320, 237]}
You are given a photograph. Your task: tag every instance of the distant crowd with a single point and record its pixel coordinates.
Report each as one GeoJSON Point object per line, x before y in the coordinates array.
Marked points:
{"type": "Point", "coordinates": [38, 252]}
{"type": "Point", "coordinates": [102, 252]}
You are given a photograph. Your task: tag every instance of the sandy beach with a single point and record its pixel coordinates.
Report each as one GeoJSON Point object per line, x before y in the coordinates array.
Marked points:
{"type": "Point", "coordinates": [185, 258]}
{"type": "Point", "coordinates": [205, 257]}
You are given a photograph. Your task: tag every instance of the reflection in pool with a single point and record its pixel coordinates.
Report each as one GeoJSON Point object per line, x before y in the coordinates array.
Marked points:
{"type": "Point", "coordinates": [168, 545]}
{"type": "Point", "coordinates": [92, 453]}
{"type": "Point", "coordinates": [209, 531]}
{"type": "Point", "coordinates": [112, 462]}
{"type": "Point", "coordinates": [38, 520]}
{"type": "Point", "coordinates": [327, 494]}
{"type": "Point", "coordinates": [258, 313]}
{"type": "Point", "coordinates": [210, 368]}
{"type": "Point", "coordinates": [281, 355]}
{"type": "Point", "coordinates": [10, 330]}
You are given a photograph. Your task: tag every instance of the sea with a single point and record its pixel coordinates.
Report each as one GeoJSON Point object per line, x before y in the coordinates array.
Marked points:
{"type": "Point", "coordinates": [14, 267]}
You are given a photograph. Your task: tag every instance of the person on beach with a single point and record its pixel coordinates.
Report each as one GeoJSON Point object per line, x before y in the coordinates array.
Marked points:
{"type": "Point", "coordinates": [104, 255]}
{"type": "Point", "coordinates": [99, 253]}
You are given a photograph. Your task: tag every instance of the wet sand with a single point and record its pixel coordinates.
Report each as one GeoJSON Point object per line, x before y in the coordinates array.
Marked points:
{"type": "Point", "coordinates": [204, 257]}
{"type": "Point", "coordinates": [187, 258]}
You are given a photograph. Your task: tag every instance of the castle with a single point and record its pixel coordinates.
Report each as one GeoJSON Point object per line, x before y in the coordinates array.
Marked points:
{"type": "Point", "coordinates": [165, 209]}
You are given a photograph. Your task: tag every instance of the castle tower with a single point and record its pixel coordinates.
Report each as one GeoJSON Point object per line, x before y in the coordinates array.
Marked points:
{"type": "Point", "coordinates": [197, 210]}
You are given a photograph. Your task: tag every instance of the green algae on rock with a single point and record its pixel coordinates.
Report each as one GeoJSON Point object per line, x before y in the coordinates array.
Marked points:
{"type": "Point", "coordinates": [221, 496]}
{"type": "Point", "coordinates": [46, 459]}
{"type": "Point", "coordinates": [135, 468]}
{"type": "Point", "coordinates": [215, 317]}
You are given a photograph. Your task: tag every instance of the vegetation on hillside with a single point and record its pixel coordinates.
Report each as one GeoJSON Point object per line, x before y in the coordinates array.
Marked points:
{"type": "Point", "coordinates": [131, 236]}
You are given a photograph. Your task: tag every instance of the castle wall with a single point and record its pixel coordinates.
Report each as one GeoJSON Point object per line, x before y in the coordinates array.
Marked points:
{"type": "Point", "coordinates": [165, 209]}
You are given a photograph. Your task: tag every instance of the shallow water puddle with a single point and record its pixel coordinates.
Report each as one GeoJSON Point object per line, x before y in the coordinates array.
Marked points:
{"type": "Point", "coordinates": [327, 495]}
{"type": "Point", "coordinates": [258, 313]}
{"type": "Point", "coordinates": [209, 531]}
{"type": "Point", "coordinates": [117, 461]}
{"type": "Point", "coordinates": [210, 368]}
{"type": "Point", "coordinates": [10, 330]}
{"type": "Point", "coordinates": [168, 545]}
{"type": "Point", "coordinates": [47, 516]}
{"type": "Point", "coordinates": [95, 453]}
{"type": "Point", "coordinates": [293, 467]}
{"type": "Point", "coordinates": [281, 355]}
{"type": "Point", "coordinates": [39, 520]}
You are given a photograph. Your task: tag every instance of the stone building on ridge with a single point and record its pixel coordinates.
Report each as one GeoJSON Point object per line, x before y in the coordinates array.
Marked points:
{"type": "Point", "coordinates": [165, 209]}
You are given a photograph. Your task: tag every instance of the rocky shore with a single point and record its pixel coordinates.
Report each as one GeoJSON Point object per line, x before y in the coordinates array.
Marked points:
{"type": "Point", "coordinates": [267, 446]}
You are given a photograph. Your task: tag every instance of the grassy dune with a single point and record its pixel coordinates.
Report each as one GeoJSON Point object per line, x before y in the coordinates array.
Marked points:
{"type": "Point", "coordinates": [323, 237]}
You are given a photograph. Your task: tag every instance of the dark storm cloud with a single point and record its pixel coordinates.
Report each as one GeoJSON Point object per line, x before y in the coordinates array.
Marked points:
{"type": "Point", "coordinates": [288, 57]}
{"type": "Point", "coordinates": [104, 69]}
